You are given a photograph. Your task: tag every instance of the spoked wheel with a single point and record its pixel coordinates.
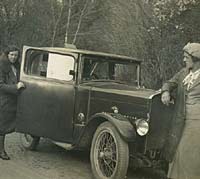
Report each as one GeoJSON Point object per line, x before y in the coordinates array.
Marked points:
{"type": "Point", "coordinates": [109, 153]}
{"type": "Point", "coordinates": [29, 142]}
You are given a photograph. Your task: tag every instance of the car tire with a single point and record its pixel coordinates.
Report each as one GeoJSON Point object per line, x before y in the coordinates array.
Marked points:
{"type": "Point", "coordinates": [29, 142]}
{"type": "Point", "coordinates": [109, 153]}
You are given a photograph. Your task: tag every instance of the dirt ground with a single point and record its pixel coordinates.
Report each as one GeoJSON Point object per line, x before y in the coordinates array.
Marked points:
{"type": "Point", "coordinates": [51, 162]}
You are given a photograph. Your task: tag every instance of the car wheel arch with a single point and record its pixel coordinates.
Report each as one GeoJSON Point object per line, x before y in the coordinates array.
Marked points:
{"type": "Point", "coordinates": [123, 126]}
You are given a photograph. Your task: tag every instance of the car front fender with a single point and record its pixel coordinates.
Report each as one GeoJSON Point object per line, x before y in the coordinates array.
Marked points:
{"type": "Point", "coordinates": [122, 124]}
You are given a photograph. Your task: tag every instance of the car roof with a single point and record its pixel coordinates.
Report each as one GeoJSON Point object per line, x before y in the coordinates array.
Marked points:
{"type": "Point", "coordinates": [84, 52]}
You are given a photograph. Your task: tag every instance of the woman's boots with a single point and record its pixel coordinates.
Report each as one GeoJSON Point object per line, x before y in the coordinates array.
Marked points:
{"type": "Point", "coordinates": [3, 154]}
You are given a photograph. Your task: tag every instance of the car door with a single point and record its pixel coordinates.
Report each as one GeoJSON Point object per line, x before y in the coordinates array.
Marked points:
{"type": "Point", "coordinates": [46, 105]}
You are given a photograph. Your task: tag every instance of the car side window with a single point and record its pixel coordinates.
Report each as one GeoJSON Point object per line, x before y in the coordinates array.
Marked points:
{"type": "Point", "coordinates": [38, 65]}
{"type": "Point", "coordinates": [102, 68]}
{"type": "Point", "coordinates": [94, 69]}
{"type": "Point", "coordinates": [49, 65]}
{"type": "Point", "coordinates": [127, 73]}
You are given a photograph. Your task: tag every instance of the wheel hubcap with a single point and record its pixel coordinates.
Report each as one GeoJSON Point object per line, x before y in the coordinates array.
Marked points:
{"type": "Point", "coordinates": [28, 138]}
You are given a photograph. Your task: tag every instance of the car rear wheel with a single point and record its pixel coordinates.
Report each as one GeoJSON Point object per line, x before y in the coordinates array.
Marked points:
{"type": "Point", "coordinates": [29, 142]}
{"type": "Point", "coordinates": [109, 153]}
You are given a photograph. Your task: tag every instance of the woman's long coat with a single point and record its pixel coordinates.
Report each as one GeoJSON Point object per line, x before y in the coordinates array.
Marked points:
{"type": "Point", "coordinates": [178, 120]}
{"type": "Point", "coordinates": [8, 96]}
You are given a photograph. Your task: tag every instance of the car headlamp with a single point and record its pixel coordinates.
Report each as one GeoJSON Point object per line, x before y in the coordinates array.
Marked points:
{"type": "Point", "coordinates": [142, 127]}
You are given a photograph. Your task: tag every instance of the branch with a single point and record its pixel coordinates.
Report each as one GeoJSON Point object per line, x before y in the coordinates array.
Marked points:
{"type": "Point", "coordinates": [68, 22]}
{"type": "Point", "coordinates": [80, 21]}
{"type": "Point", "coordinates": [56, 22]}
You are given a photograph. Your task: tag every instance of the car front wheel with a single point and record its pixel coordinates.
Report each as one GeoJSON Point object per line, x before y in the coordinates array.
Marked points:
{"type": "Point", "coordinates": [109, 153]}
{"type": "Point", "coordinates": [29, 142]}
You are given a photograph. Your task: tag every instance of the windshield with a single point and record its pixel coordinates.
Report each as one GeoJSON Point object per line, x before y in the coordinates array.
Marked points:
{"type": "Point", "coordinates": [98, 69]}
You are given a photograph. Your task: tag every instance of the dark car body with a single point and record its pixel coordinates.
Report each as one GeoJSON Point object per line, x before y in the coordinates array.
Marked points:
{"type": "Point", "coordinates": [67, 105]}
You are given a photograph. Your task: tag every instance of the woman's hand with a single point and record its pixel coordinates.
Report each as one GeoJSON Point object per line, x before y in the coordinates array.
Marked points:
{"type": "Point", "coordinates": [165, 98]}
{"type": "Point", "coordinates": [20, 85]}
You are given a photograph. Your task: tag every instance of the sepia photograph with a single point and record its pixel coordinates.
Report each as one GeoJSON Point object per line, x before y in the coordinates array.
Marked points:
{"type": "Point", "coordinates": [99, 89]}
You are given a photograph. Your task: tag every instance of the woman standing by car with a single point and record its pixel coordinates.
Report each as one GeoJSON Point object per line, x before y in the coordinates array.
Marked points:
{"type": "Point", "coordinates": [9, 88]}
{"type": "Point", "coordinates": [184, 145]}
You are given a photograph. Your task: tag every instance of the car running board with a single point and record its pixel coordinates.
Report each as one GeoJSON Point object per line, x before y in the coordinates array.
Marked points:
{"type": "Point", "coordinates": [66, 146]}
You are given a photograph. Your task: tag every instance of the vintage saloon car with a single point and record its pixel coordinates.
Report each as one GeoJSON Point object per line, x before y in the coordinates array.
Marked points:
{"type": "Point", "coordinates": [90, 100]}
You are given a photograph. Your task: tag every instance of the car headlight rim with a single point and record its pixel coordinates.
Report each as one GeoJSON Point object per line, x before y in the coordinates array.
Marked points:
{"type": "Point", "coordinates": [142, 127]}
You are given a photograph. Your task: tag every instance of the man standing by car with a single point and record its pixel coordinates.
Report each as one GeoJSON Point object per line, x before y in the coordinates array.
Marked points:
{"type": "Point", "coordinates": [183, 142]}
{"type": "Point", "coordinates": [9, 88]}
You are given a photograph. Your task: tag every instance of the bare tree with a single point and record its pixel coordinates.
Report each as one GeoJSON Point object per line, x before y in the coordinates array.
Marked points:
{"type": "Point", "coordinates": [68, 17]}
{"type": "Point", "coordinates": [77, 12]}
{"type": "Point", "coordinates": [56, 17]}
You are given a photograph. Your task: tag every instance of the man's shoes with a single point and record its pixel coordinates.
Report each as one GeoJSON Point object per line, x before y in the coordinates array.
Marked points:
{"type": "Point", "coordinates": [4, 155]}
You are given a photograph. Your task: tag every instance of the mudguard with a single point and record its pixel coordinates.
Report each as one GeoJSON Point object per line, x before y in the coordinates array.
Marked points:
{"type": "Point", "coordinates": [122, 124]}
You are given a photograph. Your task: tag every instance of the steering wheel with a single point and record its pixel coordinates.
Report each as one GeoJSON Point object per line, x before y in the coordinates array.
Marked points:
{"type": "Point", "coordinates": [94, 76]}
